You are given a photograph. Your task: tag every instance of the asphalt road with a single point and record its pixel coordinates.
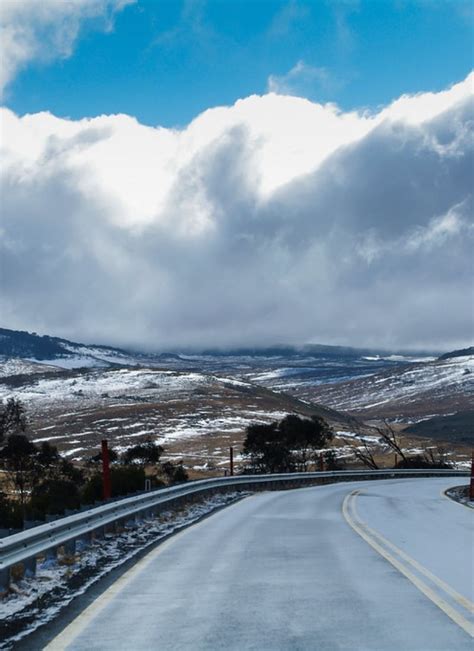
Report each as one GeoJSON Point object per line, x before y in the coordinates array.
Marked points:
{"type": "Point", "coordinates": [389, 567]}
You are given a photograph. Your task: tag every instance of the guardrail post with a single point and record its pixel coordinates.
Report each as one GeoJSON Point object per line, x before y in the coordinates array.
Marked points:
{"type": "Point", "coordinates": [29, 565]}
{"type": "Point", "coordinates": [70, 548]}
{"type": "Point", "coordinates": [152, 513]}
{"type": "Point", "coordinates": [130, 522]}
{"type": "Point", "coordinates": [4, 579]}
{"type": "Point", "coordinates": [99, 533]}
{"type": "Point", "coordinates": [51, 555]}
{"type": "Point", "coordinates": [83, 542]}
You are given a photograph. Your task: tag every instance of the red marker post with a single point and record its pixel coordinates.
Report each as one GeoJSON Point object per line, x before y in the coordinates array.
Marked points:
{"type": "Point", "coordinates": [107, 488]}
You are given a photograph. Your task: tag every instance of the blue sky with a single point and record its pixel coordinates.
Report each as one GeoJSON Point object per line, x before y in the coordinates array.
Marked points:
{"type": "Point", "coordinates": [165, 62]}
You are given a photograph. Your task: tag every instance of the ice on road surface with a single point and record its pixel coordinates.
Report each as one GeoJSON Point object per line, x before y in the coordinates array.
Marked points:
{"type": "Point", "coordinates": [428, 526]}
{"type": "Point", "coordinates": [284, 571]}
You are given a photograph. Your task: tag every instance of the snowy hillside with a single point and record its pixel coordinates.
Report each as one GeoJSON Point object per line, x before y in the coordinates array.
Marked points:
{"type": "Point", "coordinates": [195, 415]}
{"type": "Point", "coordinates": [15, 344]}
{"type": "Point", "coordinates": [199, 404]}
{"type": "Point", "coordinates": [14, 366]}
{"type": "Point", "coordinates": [443, 386]}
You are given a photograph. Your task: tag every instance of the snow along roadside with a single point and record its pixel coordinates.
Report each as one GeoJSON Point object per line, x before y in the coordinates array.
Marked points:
{"type": "Point", "coordinates": [460, 494]}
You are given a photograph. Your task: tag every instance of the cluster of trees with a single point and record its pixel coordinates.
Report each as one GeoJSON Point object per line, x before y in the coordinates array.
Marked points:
{"type": "Point", "coordinates": [296, 444]}
{"type": "Point", "coordinates": [35, 480]}
{"type": "Point", "coordinates": [292, 445]}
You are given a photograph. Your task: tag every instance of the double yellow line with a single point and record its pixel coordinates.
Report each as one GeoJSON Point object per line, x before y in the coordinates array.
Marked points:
{"type": "Point", "coordinates": [416, 573]}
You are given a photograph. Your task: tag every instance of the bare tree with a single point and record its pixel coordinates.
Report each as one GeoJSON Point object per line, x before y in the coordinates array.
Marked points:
{"type": "Point", "coordinates": [364, 453]}
{"type": "Point", "coordinates": [389, 437]}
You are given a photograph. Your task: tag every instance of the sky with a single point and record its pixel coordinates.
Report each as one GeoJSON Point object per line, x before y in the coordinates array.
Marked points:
{"type": "Point", "coordinates": [236, 173]}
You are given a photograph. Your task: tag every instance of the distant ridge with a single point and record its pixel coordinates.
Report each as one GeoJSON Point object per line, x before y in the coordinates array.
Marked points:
{"type": "Point", "coordinates": [463, 352]}
{"type": "Point", "coordinates": [290, 351]}
{"type": "Point", "coordinates": [70, 354]}
{"type": "Point", "coordinates": [23, 344]}
{"type": "Point", "coordinates": [43, 348]}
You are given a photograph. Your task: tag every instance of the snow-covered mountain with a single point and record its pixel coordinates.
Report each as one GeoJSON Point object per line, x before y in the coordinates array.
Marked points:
{"type": "Point", "coordinates": [55, 351]}
{"type": "Point", "coordinates": [200, 403]}
{"type": "Point", "coordinates": [411, 392]}
{"type": "Point", "coordinates": [316, 363]}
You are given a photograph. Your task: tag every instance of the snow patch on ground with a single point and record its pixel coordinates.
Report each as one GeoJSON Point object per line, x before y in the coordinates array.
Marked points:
{"type": "Point", "coordinates": [13, 366]}
{"type": "Point", "coordinates": [399, 358]}
{"type": "Point", "coordinates": [183, 429]}
{"type": "Point", "coordinates": [73, 361]}
{"type": "Point", "coordinates": [232, 381]}
{"type": "Point", "coordinates": [114, 383]}
{"type": "Point", "coordinates": [358, 437]}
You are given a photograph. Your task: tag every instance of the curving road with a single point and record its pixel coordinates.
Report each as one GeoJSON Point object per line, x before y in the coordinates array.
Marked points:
{"type": "Point", "coordinates": [382, 566]}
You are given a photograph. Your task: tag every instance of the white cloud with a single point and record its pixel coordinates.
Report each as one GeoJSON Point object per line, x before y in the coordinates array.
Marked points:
{"type": "Point", "coordinates": [275, 219]}
{"type": "Point", "coordinates": [43, 30]}
{"type": "Point", "coordinates": [436, 233]}
{"type": "Point", "coordinates": [440, 230]}
{"type": "Point", "coordinates": [300, 80]}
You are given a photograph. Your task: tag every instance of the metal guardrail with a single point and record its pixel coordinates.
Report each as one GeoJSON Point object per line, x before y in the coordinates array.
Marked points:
{"type": "Point", "coordinates": [25, 546]}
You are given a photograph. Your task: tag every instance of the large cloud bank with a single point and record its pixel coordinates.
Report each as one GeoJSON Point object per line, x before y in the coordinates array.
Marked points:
{"type": "Point", "coordinates": [273, 220]}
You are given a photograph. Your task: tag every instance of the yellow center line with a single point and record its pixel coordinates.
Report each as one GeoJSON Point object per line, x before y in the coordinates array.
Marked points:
{"type": "Point", "coordinates": [370, 536]}
{"type": "Point", "coordinates": [461, 600]}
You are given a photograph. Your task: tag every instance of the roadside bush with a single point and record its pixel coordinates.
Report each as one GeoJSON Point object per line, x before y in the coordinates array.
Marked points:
{"type": "Point", "coordinates": [174, 473]}
{"type": "Point", "coordinates": [332, 462]}
{"type": "Point", "coordinates": [53, 496]}
{"type": "Point", "coordinates": [10, 513]}
{"type": "Point", "coordinates": [123, 479]}
{"type": "Point", "coordinates": [420, 461]}
{"type": "Point", "coordinates": [147, 453]}
{"type": "Point", "coordinates": [96, 459]}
